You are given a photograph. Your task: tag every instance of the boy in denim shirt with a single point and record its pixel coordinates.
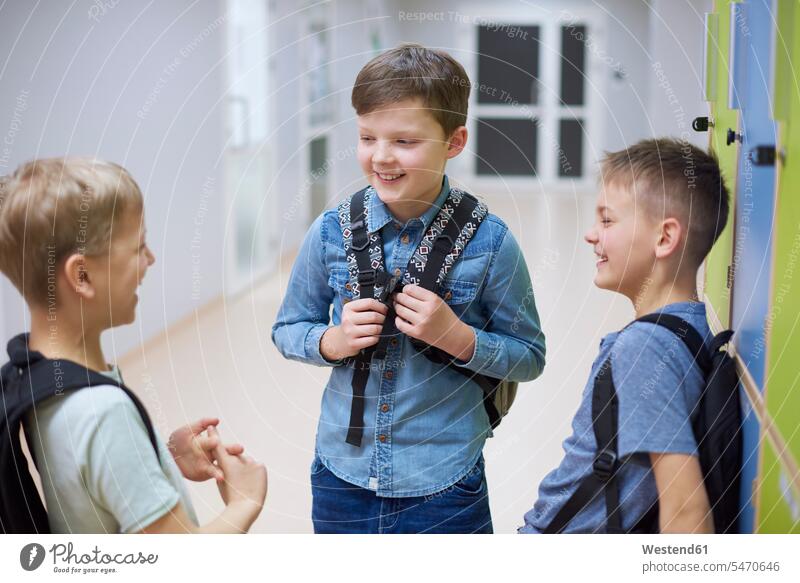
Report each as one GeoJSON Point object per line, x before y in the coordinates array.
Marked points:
{"type": "Point", "coordinates": [418, 466]}
{"type": "Point", "coordinates": [662, 206]}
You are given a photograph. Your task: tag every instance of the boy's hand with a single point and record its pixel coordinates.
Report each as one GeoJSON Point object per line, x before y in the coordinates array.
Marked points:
{"type": "Point", "coordinates": [425, 316]}
{"type": "Point", "coordinates": [362, 322]}
{"type": "Point", "coordinates": [245, 482]}
{"type": "Point", "coordinates": [193, 451]}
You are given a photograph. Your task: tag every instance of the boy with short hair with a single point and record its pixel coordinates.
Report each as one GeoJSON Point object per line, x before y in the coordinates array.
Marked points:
{"type": "Point", "coordinates": [72, 242]}
{"type": "Point", "coordinates": [662, 205]}
{"type": "Point", "coordinates": [400, 437]}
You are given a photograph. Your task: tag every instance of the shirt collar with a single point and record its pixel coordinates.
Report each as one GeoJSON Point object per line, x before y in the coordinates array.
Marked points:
{"type": "Point", "coordinates": [378, 214]}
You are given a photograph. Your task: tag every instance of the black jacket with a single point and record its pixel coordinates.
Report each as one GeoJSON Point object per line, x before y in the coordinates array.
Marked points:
{"type": "Point", "coordinates": [26, 380]}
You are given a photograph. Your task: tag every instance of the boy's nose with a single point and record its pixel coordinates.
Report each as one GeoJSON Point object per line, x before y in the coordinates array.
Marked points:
{"type": "Point", "coordinates": [591, 236]}
{"type": "Point", "coordinates": [382, 153]}
{"type": "Point", "coordinates": [150, 257]}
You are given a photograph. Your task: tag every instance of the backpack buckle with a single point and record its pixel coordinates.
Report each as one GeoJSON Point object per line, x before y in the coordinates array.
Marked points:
{"type": "Point", "coordinates": [604, 463]}
{"type": "Point", "coordinates": [443, 243]}
{"type": "Point", "coordinates": [394, 286]}
{"type": "Point", "coordinates": [373, 277]}
{"type": "Point", "coordinates": [368, 277]}
{"type": "Point", "coordinates": [360, 236]}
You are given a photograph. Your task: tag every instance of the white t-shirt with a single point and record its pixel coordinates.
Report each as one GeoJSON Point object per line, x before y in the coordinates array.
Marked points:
{"type": "Point", "coordinates": [98, 469]}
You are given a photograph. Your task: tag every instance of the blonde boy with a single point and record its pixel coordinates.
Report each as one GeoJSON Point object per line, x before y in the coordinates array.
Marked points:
{"type": "Point", "coordinates": [662, 205]}
{"type": "Point", "coordinates": [72, 241]}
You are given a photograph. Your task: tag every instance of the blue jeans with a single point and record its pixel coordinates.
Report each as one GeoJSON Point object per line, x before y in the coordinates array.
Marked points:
{"type": "Point", "coordinates": [342, 508]}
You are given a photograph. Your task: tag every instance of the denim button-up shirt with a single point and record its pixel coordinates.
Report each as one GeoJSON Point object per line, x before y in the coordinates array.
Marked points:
{"type": "Point", "coordinates": [425, 424]}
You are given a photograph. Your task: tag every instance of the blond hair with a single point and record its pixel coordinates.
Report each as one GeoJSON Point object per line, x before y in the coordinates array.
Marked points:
{"type": "Point", "coordinates": [673, 178]}
{"type": "Point", "coordinates": [52, 208]}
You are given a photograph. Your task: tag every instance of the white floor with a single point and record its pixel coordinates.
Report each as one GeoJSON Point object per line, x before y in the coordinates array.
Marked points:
{"type": "Point", "coordinates": [222, 362]}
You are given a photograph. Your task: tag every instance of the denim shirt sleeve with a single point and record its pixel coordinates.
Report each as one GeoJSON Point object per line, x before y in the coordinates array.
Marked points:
{"type": "Point", "coordinates": [511, 345]}
{"type": "Point", "coordinates": [304, 314]}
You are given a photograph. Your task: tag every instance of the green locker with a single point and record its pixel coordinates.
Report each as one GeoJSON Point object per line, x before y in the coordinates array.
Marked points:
{"type": "Point", "coordinates": [717, 64]}
{"type": "Point", "coordinates": [777, 505]}
{"type": "Point", "coordinates": [778, 510]}
{"type": "Point", "coordinates": [779, 492]}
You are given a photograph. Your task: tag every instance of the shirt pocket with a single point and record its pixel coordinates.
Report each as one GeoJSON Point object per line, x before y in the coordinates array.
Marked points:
{"type": "Point", "coordinates": [460, 288]}
{"type": "Point", "coordinates": [339, 281]}
{"type": "Point", "coordinates": [459, 295]}
{"type": "Point", "coordinates": [469, 269]}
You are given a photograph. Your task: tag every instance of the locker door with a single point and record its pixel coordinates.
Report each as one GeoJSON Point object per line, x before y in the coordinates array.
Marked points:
{"type": "Point", "coordinates": [779, 490]}
{"type": "Point", "coordinates": [718, 82]}
{"type": "Point", "coordinates": [751, 28]}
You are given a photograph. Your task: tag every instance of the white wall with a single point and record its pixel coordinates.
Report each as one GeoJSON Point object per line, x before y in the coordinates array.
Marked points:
{"type": "Point", "coordinates": [136, 83]}
{"type": "Point", "coordinates": [676, 39]}
{"type": "Point", "coordinates": [290, 135]}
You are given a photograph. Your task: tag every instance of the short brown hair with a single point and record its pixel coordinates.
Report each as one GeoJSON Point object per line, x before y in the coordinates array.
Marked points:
{"type": "Point", "coordinates": [52, 208]}
{"type": "Point", "coordinates": [410, 71]}
{"type": "Point", "coordinates": [674, 178]}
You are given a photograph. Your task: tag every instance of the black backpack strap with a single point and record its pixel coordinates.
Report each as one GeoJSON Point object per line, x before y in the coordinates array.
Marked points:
{"type": "Point", "coordinates": [80, 377]}
{"type": "Point", "coordinates": [367, 275]}
{"type": "Point", "coordinates": [21, 508]}
{"type": "Point", "coordinates": [605, 468]}
{"type": "Point", "coordinates": [445, 242]}
{"type": "Point", "coordinates": [605, 407]}
{"type": "Point", "coordinates": [468, 223]}
{"type": "Point", "coordinates": [463, 223]}
{"type": "Point", "coordinates": [355, 429]}
{"type": "Point", "coordinates": [454, 220]}
{"type": "Point", "coordinates": [686, 332]}
{"type": "Point", "coordinates": [367, 278]}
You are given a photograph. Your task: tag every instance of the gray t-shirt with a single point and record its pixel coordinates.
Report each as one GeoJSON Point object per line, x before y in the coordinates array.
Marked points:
{"type": "Point", "coordinates": [99, 474]}
{"type": "Point", "coordinates": [658, 385]}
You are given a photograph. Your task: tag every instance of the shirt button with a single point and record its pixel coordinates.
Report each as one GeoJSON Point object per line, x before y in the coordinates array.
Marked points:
{"type": "Point", "coordinates": [448, 295]}
{"type": "Point", "coordinates": [404, 239]}
{"type": "Point", "coordinates": [384, 407]}
{"type": "Point", "coordinates": [346, 300]}
{"type": "Point", "coordinates": [388, 374]}
{"type": "Point", "coordinates": [382, 438]}
{"type": "Point", "coordinates": [393, 342]}
{"type": "Point", "coordinates": [347, 286]}
{"type": "Point", "coordinates": [398, 272]}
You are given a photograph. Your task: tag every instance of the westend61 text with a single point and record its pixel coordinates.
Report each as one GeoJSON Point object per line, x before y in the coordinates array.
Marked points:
{"type": "Point", "coordinates": [675, 550]}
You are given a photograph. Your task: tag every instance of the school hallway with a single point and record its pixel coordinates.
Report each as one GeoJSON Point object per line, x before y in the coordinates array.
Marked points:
{"type": "Point", "coordinates": [235, 119]}
{"type": "Point", "coordinates": [231, 369]}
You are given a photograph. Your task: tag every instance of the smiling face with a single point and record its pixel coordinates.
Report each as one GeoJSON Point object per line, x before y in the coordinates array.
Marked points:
{"type": "Point", "coordinates": [624, 240]}
{"type": "Point", "coordinates": [117, 274]}
{"type": "Point", "coordinates": [402, 150]}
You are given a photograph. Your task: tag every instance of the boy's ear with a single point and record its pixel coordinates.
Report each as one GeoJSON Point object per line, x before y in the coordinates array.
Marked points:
{"type": "Point", "coordinates": [457, 142]}
{"type": "Point", "coordinates": [77, 275]}
{"type": "Point", "coordinates": [669, 239]}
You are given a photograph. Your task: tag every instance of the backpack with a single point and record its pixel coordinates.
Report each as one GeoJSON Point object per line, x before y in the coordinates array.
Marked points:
{"type": "Point", "coordinates": [26, 380]}
{"type": "Point", "coordinates": [447, 236]}
{"type": "Point", "coordinates": [716, 423]}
